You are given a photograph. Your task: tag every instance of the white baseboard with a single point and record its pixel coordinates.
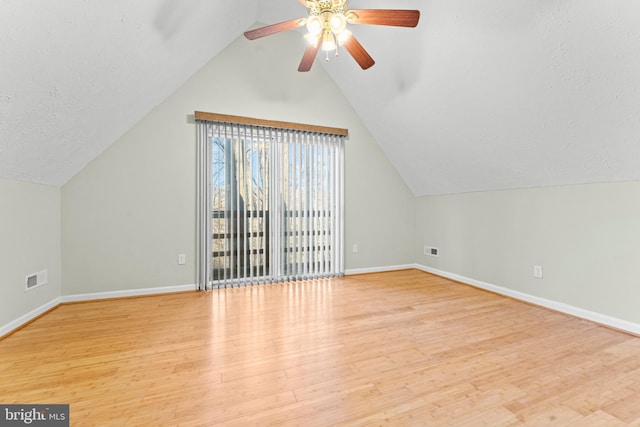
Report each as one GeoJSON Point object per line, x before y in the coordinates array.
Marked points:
{"type": "Point", "coordinates": [613, 322]}
{"type": "Point", "coordinates": [378, 269]}
{"type": "Point", "coordinates": [127, 293]}
{"type": "Point", "coordinates": [603, 319]}
{"type": "Point", "coordinates": [28, 317]}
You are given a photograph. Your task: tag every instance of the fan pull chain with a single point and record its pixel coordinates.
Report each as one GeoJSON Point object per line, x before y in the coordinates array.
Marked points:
{"type": "Point", "coordinates": [328, 54]}
{"type": "Point", "coordinates": [335, 39]}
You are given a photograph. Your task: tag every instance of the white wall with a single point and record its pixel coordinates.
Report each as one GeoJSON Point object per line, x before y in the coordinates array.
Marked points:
{"type": "Point", "coordinates": [29, 243]}
{"type": "Point", "coordinates": [129, 213]}
{"type": "Point", "coordinates": [586, 237]}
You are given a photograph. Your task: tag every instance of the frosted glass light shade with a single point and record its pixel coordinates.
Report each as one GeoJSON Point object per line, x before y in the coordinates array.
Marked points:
{"type": "Point", "coordinates": [315, 25]}
{"type": "Point", "coordinates": [328, 42]}
{"type": "Point", "coordinates": [338, 23]}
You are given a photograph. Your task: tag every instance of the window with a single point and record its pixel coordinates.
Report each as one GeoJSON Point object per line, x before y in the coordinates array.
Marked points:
{"type": "Point", "coordinates": [270, 201]}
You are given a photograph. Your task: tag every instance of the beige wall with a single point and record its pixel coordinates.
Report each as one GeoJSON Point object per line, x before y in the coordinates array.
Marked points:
{"type": "Point", "coordinates": [129, 213]}
{"type": "Point", "coordinates": [29, 243]}
{"type": "Point", "coordinates": [586, 237]}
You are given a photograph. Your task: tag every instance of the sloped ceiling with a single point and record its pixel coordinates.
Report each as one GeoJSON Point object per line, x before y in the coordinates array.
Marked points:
{"type": "Point", "coordinates": [76, 74]}
{"type": "Point", "coordinates": [482, 95]}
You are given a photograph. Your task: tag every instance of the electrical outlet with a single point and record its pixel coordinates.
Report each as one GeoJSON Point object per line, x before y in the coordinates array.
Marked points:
{"type": "Point", "coordinates": [537, 271]}
{"type": "Point", "coordinates": [182, 259]}
{"type": "Point", "coordinates": [355, 248]}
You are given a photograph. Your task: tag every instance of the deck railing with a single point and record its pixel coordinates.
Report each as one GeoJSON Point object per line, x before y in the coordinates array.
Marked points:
{"type": "Point", "coordinates": [238, 252]}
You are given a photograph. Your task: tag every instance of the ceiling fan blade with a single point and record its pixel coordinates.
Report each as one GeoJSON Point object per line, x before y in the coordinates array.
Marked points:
{"type": "Point", "coordinates": [358, 52]}
{"type": "Point", "coordinates": [309, 56]}
{"type": "Point", "coordinates": [395, 18]}
{"type": "Point", "coordinates": [274, 28]}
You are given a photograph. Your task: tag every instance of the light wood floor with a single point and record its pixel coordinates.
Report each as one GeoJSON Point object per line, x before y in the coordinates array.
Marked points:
{"type": "Point", "coordinates": [401, 348]}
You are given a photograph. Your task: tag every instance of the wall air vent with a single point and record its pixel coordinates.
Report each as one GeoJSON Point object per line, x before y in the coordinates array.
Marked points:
{"type": "Point", "coordinates": [431, 251]}
{"type": "Point", "coordinates": [36, 279]}
{"type": "Point", "coordinates": [32, 281]}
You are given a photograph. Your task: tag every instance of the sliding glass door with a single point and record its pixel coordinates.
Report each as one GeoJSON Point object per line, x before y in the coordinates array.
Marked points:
{"type": "Point", "coordinates": [271, 204]}
{"type": "Point", "coordinates": [240, 207]}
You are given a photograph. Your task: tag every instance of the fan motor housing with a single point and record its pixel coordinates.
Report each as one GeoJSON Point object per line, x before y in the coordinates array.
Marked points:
{"type": "Point", "coordinates": [327, 6]}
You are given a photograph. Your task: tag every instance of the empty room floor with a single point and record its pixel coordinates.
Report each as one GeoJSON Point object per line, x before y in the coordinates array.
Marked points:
{"type": "Point", "coordinates": [396, 348]}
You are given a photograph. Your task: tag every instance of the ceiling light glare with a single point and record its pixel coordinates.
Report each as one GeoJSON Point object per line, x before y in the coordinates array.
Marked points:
{"type": "Point", "coordinates": [312, 39]}
{"type": "Point", "coordinates": [338, 23]}
{"type": "Point", "coordinates": [314, 25]}
{"type": "Point", "coordinates": [343, 37]}
{"type": "Point", "coordinates": [328, 42]}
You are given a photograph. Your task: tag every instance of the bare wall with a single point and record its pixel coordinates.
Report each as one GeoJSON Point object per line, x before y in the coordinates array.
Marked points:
{"type": "Point", "coordinates": [29, 243]}
{"type": "Point", "coordinates": [586, 238]}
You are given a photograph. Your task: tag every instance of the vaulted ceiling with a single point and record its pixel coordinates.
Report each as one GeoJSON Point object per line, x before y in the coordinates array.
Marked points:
{"type": "Point", "coordinates": [482, 95]}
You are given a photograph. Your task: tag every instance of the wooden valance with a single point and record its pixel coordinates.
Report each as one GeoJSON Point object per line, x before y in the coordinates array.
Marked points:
{"type": "Point", "coordinates": [225, 118]}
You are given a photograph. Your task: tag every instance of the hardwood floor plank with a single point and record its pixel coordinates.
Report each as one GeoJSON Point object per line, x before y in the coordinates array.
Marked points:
{"type": "Point", "coordinates": [398, 348]}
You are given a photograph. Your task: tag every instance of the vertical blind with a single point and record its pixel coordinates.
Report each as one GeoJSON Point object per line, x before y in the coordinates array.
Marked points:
{"type": "Point", "coordinates": [271, 203]}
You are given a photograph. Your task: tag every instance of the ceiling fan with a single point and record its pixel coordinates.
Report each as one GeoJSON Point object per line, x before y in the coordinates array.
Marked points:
{"type": "Point", "coordinates": [327, 28]}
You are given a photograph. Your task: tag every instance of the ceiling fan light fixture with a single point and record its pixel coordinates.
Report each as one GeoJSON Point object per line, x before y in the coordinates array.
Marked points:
{"type": "Point", "coordinates": [315, 25]}
{"type": "Point", "coordinates": [343, 37]}
{"type": "Point", "coordinates": [327, 24]}
{"type": "Point", "coordinates": [311, 39]}
{"type": "Point", "coordinates": [328, 41]}
{"type": "Point", "coordinates": [338, 23]}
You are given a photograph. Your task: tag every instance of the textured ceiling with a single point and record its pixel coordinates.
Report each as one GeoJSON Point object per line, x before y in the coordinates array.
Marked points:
{"type": "Point", "coordinates": [482, 95]}
{"type": "Point", "coordinates": [76, 74]}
